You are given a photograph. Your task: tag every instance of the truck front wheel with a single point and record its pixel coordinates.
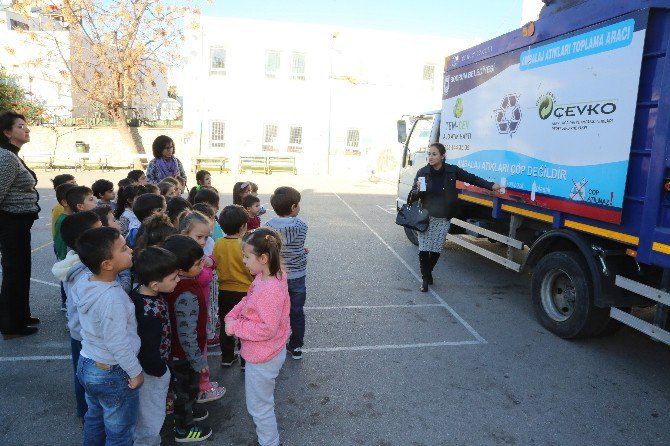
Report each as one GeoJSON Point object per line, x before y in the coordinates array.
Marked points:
{"type": "Point", "coordinates": [562, 293]}
{"type": "Point", "coordinates": [412, 236]}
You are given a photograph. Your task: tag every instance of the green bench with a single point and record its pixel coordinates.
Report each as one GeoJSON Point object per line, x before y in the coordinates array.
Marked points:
{"type": "Point", "coordinates": [282, 164]}
{"type": "Point", "coordinates": [211, 162]}
{"type": "Point", "coordinates": [268, 164]}
{"type": "Point", "coordinates": [254, 164]}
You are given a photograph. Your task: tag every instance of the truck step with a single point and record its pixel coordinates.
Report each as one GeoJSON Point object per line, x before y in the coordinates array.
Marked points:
{"type": "Point", "coordinates": [484, 252]}
{"type": "Point", "coordinates": [643, 290]}
{"type": "Point", "coordinates": [645, 327]}
{"type": "Point", "coordinates": [488, 233]}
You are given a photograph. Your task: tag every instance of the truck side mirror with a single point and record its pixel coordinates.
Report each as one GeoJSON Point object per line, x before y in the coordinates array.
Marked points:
{"type": "Point", "coordinates": [402, 131]}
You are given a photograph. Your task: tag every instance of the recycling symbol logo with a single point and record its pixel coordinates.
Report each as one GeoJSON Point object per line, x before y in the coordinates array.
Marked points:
{"type": "Point", "coordinates": [546, 106]}
{"type": "Point", "coordinates": [458, 108]}
{"type": "Point", "coordinates": [508, 116]}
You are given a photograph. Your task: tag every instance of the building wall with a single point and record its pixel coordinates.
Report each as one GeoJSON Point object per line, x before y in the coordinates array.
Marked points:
{"type": "Point", "coordinates": [354, 80]}
{"type": "Point", "coordinates": [35, 64]}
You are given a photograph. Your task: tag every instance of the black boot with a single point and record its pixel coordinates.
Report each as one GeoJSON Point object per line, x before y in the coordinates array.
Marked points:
{"type": "Point", "coordinates": [433, 258]}
{"type": "Point", "coordinates": [424, 265]}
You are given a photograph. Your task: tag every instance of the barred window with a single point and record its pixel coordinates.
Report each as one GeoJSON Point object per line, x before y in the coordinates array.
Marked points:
{"type": "Point", "coordinates": [272, 64]}
{"type": "Point", "coordinates": [217, 134]}
{"type": "Point", "coordinates": [429, 72]}
{"type": "Point", "coordinates": [298, 66]}
{"type": "Point", "coordinates": [295, 139]}
{"type": "Point", "coordinates": [353, 136]}
{"type": "Point", "coordinates": [270, 138]}
{"type": "Point", "coordinates": [217, 58]}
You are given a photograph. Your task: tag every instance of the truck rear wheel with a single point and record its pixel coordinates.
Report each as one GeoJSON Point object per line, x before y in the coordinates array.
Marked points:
{"type": "Point", "coordinates": [412, 235]}
{"type": "Point", "coordinates": [562, 293]}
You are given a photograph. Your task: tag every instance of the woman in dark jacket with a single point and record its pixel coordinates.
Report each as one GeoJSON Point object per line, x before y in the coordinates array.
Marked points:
{"type": "Point", "coordinates": [18, 211]}
{"type": "Point", "coordinates": [439, 199]}
{"type": "Point", "coordinates": [164, 164]}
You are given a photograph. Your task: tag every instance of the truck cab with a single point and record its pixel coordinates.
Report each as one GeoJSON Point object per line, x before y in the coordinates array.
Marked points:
{"type": "Point", "coordinates": [415, 133]}
{"type": "Point", "coordinates": [571, 116]}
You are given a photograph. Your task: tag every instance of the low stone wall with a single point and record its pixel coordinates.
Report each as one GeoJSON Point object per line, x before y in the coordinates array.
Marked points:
{"type": "Point", "coordinates": [60, 141]}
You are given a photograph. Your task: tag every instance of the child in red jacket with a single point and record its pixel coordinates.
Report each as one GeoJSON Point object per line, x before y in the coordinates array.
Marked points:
{"type": "Point", "coordinates": [188, 318]}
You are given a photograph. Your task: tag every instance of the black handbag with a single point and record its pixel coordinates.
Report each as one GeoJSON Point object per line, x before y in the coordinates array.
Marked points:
{"type": "Point", "coordinates": [412, 216]}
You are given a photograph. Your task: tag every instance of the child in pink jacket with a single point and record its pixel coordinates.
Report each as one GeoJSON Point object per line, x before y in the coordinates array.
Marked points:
{"type": "Point", "coordinates": [261, 322]}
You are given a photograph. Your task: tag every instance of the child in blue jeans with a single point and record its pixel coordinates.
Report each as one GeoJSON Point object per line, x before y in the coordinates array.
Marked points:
{"type": "Point", "coordinates": [286, 204]}
{"type": "Point", "coordinates": [69, 271]}
{"type": "Point", "coordinates": [108, 367]}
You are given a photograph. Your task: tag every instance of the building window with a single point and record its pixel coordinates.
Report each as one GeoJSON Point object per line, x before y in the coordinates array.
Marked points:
{"type": "Point", "coordinates": [217, 134]}
{"type": "Point", "coordinates": [295, 139]}
{"type": "Point", "coordinates": [353, 138]}
{"type": "Point", "coordinates": [298, 66]}
{"type": "Point", "coordinates": [270, 138]}
{"type": "Point", "coordinates": [272, 64]}
{"type": "Point", "coordinates": [429, 72]}
{"type": "Point", "coordinates": [217, 64]}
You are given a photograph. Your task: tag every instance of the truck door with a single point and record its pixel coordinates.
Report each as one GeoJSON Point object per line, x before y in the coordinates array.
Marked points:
{"type": "Point", "coordinates": [414, 156]}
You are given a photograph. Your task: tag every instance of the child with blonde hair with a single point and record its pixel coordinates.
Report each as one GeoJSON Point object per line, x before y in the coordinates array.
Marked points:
{"type": "Point", "coordinates": [197, 226]}
{"type": "Point", "coordinates": [261, 322]}
{"type": "Point", "coordinates": [213, 324]}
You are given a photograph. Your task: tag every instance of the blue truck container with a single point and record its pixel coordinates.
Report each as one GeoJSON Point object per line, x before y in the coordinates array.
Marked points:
{"type": "Point", "coordinates": [598, 246]}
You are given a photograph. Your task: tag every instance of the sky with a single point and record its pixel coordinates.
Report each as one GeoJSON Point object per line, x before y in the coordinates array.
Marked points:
{"type": "Point", "coordinates": [470, 19]}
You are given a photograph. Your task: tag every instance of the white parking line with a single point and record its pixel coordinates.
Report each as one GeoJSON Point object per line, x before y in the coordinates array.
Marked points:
{"type": "Point", "coordinates": [389, 347]}
{"type": "Point", "coordinates": [32, 358]}
{"type": "Point", "coordinates": [388, 209]}
{"type": "Point", "coordinates": [57, 285]}
{"type": "Point", "coordinates": [474, 333]}
{"type": "Point", "coordinates": [372, 307]}
{"type": "Point", "coordinates": [42, 246]}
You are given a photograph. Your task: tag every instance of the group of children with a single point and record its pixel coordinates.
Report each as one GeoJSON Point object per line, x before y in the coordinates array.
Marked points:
{"type": "Point", "coordinates": [150, 280]}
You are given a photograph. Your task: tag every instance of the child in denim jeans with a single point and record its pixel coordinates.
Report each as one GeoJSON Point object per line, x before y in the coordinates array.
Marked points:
{"type": "Point", "coordinates": [108, 367]}
{"type": "Point", "coordinates": [286, 204]}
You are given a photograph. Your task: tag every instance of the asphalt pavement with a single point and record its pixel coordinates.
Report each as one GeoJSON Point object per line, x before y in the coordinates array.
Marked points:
{"type": "Point", "coordinates": [384, 364]}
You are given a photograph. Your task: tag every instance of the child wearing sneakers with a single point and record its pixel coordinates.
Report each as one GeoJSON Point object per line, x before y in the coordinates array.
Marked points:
{"type": "Point", "coordinates": [69, 271]}
{"type": "Point", "coordinates": [234, 276]}
{"type": "Point", "coordinates": [188, 317]}
{"type": "Point", "coordinates": [261, 322]}
{"type": "Point", "coordinates": [286, 204]}
{"type": "Point", "coordinates": [156, 270]}
{"type": "Point", "coordinates": [108, 367]}
{"type": "Point", "coordinates": [195, 225]}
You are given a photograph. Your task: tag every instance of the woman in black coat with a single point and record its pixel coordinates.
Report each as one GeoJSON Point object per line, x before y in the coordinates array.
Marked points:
{"type": "Point", "coordinates": [439, 198]}
{"type": "Point", "coordinates": [18, 212]}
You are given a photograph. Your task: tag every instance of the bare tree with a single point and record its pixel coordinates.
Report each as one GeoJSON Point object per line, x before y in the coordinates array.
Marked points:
{"type": "Point", "coordinates": [118, 51]}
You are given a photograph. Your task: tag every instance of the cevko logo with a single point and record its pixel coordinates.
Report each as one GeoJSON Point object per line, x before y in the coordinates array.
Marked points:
{"type": "Point", "coordinates": [547, 106]}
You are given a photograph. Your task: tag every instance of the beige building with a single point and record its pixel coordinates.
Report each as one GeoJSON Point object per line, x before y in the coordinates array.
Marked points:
{"type": "Point", "coordinates": [328, 96]}
{"type": "Point", "coordinates": [34, 64]}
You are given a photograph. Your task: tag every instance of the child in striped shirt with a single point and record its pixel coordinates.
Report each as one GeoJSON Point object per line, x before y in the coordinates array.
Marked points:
{"type": "Point", "coordinates": [286, 204]}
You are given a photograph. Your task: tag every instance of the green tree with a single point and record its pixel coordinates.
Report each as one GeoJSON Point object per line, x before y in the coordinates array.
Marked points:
{"type": "Point", "coordinates": [13, 97]}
